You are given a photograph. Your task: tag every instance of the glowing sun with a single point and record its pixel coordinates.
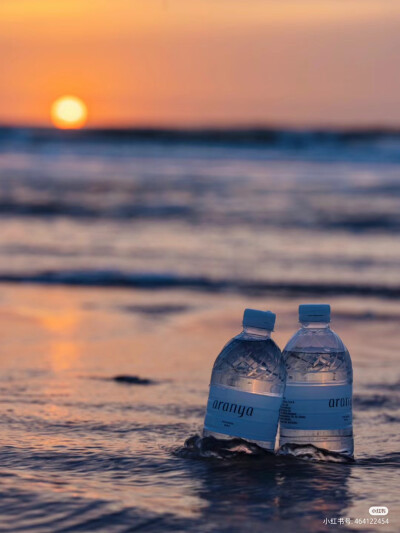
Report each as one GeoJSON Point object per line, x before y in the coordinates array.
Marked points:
{"type": "Point", "coordinates": [69, 112]}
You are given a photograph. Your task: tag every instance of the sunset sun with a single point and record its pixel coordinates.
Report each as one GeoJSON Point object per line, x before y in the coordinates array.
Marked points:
{"type": "Point", "coordinates": [69, 112]}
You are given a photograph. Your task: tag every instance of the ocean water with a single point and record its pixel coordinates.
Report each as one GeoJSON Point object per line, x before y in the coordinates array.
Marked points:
{"type": "Point", "coordinates": [126, 259]}
{"type": "Point", "coordinates": [234, 210]}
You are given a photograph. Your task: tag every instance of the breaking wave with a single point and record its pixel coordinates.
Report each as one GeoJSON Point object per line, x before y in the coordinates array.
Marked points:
{"type": "Point", "coordinates": [197, 447]}
{"type": "Point", "coordinates": [119, 278]}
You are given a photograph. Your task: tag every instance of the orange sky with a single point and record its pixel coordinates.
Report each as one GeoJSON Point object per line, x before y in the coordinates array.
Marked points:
{"type": "Point", "coordinates": [196, 62]}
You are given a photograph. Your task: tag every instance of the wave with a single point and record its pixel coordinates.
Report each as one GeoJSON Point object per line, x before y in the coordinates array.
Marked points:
{"type": "Point", "coordinates": [285, 138]}
{"type": "Point", "coordinates": [59, 208]}
{"type": "Point", "coordinates": [197, 447]}
{"type": "Point", "coordinates": [143, 280]}
{"type": "Point", "coordinates": [388, 223]}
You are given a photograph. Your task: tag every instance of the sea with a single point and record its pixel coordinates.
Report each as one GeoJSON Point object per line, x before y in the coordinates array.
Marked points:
{"type": "Point", "coordinates": [126, 259]}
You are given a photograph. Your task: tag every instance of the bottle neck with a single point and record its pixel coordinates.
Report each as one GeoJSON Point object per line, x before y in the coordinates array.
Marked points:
{"type": "Point", "coordinates": [315, 325]}
{"type": "Point", "coordinates": [250, 331]}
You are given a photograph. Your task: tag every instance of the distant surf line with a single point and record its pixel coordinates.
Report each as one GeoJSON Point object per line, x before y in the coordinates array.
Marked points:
{"type": "Point", "coordinates": [153, 281]}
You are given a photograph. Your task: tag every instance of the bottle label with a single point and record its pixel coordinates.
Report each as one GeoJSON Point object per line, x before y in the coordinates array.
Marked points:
{"type": "Point", "coordinates": [242, 414]}
{"type": "Point", "coordinates": [314, 407]}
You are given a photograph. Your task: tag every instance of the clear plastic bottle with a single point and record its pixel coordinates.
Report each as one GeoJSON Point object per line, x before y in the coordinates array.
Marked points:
{"type": "Point", "coordinates": [247, 384]}
{"type": "Point", "coordinates": [317, 404]}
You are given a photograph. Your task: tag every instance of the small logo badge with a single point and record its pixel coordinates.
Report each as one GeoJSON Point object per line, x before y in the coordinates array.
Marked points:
{"type": "Point", "coordinates": [378, 511]}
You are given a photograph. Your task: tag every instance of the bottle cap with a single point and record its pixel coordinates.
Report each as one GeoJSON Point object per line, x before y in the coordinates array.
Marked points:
{"type": "Point", "coordinates": [259, 319]}
{"type": "Point", "coordinates": [314, 313]}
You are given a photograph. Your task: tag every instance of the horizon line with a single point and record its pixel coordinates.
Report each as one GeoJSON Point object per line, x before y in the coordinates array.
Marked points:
{"type": "Point", "coordinates": [240, 128]}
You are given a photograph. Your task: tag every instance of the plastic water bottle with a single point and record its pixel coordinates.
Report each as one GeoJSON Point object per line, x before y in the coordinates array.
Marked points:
{"type": "Point", "coordinates": [247, 384]}
{"type": "Point", "coordinates": [317, 404]}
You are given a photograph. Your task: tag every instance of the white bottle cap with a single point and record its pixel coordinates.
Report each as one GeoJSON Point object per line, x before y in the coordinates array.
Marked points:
{"type": "Point", "coordinates": [254, 318]}
{"type": "Point", "coordinates": [314, 313]}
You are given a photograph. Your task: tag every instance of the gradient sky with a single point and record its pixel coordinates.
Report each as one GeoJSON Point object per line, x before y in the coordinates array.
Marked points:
{"type": "Point", "coordinates": [197, 62]}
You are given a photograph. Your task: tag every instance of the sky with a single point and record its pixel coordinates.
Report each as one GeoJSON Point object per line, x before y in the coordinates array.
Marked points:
{"type": "Point", "coordinates": [202, 62]}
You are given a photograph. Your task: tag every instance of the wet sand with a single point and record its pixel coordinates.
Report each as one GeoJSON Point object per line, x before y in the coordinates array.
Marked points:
{"type": "Point", "coordinates": [72, 434]}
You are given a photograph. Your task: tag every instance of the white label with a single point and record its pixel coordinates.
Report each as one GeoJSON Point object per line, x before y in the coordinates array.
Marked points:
{"type": "Point", "coordinates": [316, 407]}
{"type": "Point", "coordinates": [242, 414]}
